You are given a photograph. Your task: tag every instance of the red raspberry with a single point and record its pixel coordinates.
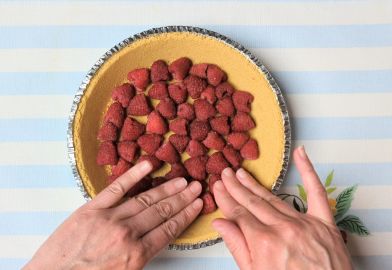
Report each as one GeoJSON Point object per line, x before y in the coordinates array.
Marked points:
{"type": "Point", "coordinates": [127, 150]}
{"type": "Point", "coordinates": [180, 68]}
{"type": "Point", "coordinates": [120, 168]}
{"type": "Point", "coordinates": [242, 122]}
{"type": "Point", "coordinates": [139, 106]}
{"type": "Point", "coordinates": [196, 167]}
{"type": "Point", "coordinates": [209, 94]}
{"type": "Point", "coordinates": [156, 124]}
{"type": "Point", "coordinates": [195, 86]}
{"type": "Point", "coordinates": [220, 124]}
{"type": "Point", "coordinates": [250, 150]}
{"type": "Point", "coordinates": [196, 148]}
{"type": "Point", "coordinates": [242, 101]}
{"type": "Point", "coordinates": [159, 71]}
{"type": "Point", "coordinates": [167, 108]}
{"type": "Point", "coordinates": [156, 163]}
{"type": "Point", "coordinates": [179, 142]}
{"type": "Point", "coordinates": [203, 109]}
{"type": "Point", "coordinates": [108, 132]}
{"type": "Point", "coordinates": [149, 143]}
{"type": "Point", "coordinates": [237, 139]}
{"type": "Point", "coordinates": [199, 130]}
{"type": "Point", "coordinates": [199, 70]}
{"type": "Point", "coordinates": [179, 126]}
{"type": "Point", "coordinates": [157, 181]}
{"type": "Point", "coordinates": [131, 130]}
{"type": "Point", "coordinates": [167, 153]}
{"type": "Point", "coordinates": [212, 180]}
{"type": "Point", "coordinates": [186, 111]}
{"type": "Point", "coordinates": [216, 163]}
{"type": "Point", "coordinates": [215, 75]}
{"type": "Point", "coordinates": [214, 141]}
{"type": "Point", "coordinates": [140, 78]}
{"type": "Point", "coordinates": [123, 94]}
{"type": "Point", "coordinates": [232, 156]}
{"type": "Point", "coordinates": [225, 106]}
{"type": "Point", "coordinates": [176, 170]}
{"type": "Point", "coordinates": [224, 89]}
{"type": "Point", "coordinates": [107, 154]}
{"type": "Point", "coordinates": [209, 205]}
{"type": "Point", "coordinates": [178, 92]}
{"type": "Point", "coordinates": [115, 114]}
{"type": "Point", "coordinates": [158, 91]}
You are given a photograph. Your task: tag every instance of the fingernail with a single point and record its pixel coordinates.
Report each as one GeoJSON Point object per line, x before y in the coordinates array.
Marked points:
{"type": "Point", "coordinates": [227, 171]}
{"type": "Point", "coordinates": [241, 173]}
{"type": "Point", "coordinates": [218, 185]}
{"type": "Point", "coordinates": [145, 166]}
{"type": "Point", "coordinates": [195, 187]}
{"type": "Point", "coordinates": [301, 152]}
{"type": "Point", "coordinates": [197, 203]}
{"type": "Point", "coordinates": [180, 183]}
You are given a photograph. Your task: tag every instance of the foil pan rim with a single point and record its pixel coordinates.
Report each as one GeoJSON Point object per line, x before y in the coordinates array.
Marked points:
{"type": "Point", "coordinates": [168, 29]}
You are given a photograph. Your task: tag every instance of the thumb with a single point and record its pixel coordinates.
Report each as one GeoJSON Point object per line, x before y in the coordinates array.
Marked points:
{"type": "Point", "coordinates": [234, 240]}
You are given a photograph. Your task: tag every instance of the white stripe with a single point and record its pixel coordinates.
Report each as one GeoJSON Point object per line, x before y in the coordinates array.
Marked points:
{"type": "Point", "coordinates": [301, 105]}
{"type": "Point", "coordinates": [276, 59]}
{"type": "Point", "coordinates": [68, 199]}
{"type": "Point", "coordinates": [33, 153]}
{"type": "Point", "coordinates": [193, 12]}
{"type": "Point", "coordinates": [17, 246]}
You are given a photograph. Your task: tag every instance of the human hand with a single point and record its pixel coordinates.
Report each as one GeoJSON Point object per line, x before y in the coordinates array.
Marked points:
{"type": "Point", "coordinates": [263, 232]}
{"type": "Point", "coordinates": [110, 233]}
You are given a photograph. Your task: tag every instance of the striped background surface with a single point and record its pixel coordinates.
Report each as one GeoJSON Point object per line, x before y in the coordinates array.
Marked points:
{"type": "Point", "coordinates": [333, 60]}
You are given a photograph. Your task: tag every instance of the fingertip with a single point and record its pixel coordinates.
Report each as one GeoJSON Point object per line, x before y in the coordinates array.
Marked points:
{"type": "Point", "coordinates": [145, 166]}
{"type": "Point", "coordinates": [227, 172]}
{"type": "Point", "coordinates": [197, 204]}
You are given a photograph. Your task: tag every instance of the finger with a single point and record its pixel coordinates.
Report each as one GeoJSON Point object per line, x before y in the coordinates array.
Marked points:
{"type": "Point", "coordinates": [247, 180]}
{"type": "Point", "coordinates": [146, 199]}
{"type": "Point", "coordinates": [232, 210]}
{"type": "Point", "coordinates": [257, 205]}
{"type": "Point", "coordinates": [116, 190]}
{"type": "Point", "coordinates": [160, 212]}
{"type": "Point", "coordinates": [167, 232]}
{"type": "Point", "coordinates": [234, 240]}
{"type": "Point", "coordinates": [317, 198]}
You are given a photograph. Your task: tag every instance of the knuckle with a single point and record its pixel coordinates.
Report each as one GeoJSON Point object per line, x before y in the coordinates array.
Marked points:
{"type": "Point", "coordinates": [132, 174]}
{"type": "Point", "coordinates": [170, 228]}
{"type": "Point", "coordinates": [254, 201]}
{"type": "Point", "coordinates": [238, 211]}
{"type": "Point", "coordinates": [164, 210]}
{"type": "Point", "coordinates": [182, 197]}
{"type": "Point", "coordinates": [116, 188]}
{"type": "Point", "coordinates": [144, 200]}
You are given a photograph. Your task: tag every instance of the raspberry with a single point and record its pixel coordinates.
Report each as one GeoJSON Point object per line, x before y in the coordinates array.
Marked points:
{"type": "Point", "coordinates": [140, 186]}
{"type": "Point", "coordinates": [176, 170]}
{"type": "Point", "coordinates": [209, 205]}
{"type": "Point", "coordinates": [179, 126]}
{"type": "Point", "coordinates": [149, 143]}
{"type": "Point", "coordinates": [167, 153]}
{"type": "Point", "coordinates": [131, 130]}
{"type": "Point", "coordinates": [167, 108]}
{"type": "Point", "coordinates": [196, 167]}
{"type": "Point", "coordinates": [120, 168]}
{"type": "Point", "coordinates": [178, 92]}
{"type": "Point", "coordinates": [158, 91]}
{"type": "Point", "coordinates": [159, 71]}
{"type": "Point", "coordinates": [180, 68]}
{"type": "Point", "coordinates": [199, 130]}
{"type": "Point", "coordinates": [220, 124]}
{"type": "Point", "coordinates": [196, 148]}
{"type": "Point", "coordinates": [225, 106]}
{"type": "Point", "coordinates": [199, 70]}
{"type": "Point", "coordinates": [242, 122]}
{"type": "Point", "coordinates": [242, 101]}
{"type": "Point", "coordinates": [108, 132]}
{"type": "Point", "coordinates": [214, 141]}
{"type": "Point", "coordinates": [123, 94]}
{"type": "Point", "coordinates": [212, 180]}
{"type": "Point", "coordinates": [250, 150]}
{"type": "Point", "coordinates": [140, 78]}
{"type": "Point", "coordinates": [179, 142]}
{"type": "Point", "coordinates": [237, 139]}
{"type": "Point", "coordinates": [195, 86]}
{"type": "Point", "coordinates": [139, 106]}
{"type": "Point", "coordinates": [156, 124]}
{"type": "Point", "coordinates": [156, 163]}
{"type": "Point", "coordinates": [115, 114]}
{"type": "Point", "coordinates": [216, 163]}
{"type": "Point", "coordinates": [203, 109]}
{"type": "Point", "coordinates": [232, 156]}
{"type": "Point", "coordinates": [224, 89]}
{"type": "Point", "coordinates": [107, 154]}
{"type": "Point", "coordinates": [157, 181]}
{"type": "Point", "coordinates": [186, 111]}
{"type": "Point", "coordinates": [209, 94]}
{"type": "Point", "coordinates": [127, 150]}
{"type": "Point", "coordinates": [215, 75]}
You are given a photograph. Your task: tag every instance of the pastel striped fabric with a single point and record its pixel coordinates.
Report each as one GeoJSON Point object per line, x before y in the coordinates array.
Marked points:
{"type": "Point", "coordinates": [332, 59]}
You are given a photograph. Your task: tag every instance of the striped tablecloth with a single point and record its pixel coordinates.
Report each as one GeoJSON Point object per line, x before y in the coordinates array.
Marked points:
{"type": "Point", "coordinates": [333, 60]}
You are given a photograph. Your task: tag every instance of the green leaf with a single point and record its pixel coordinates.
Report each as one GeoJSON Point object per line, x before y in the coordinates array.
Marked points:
{"type": "Point", "coordinates": [353, 224]}
{"type": "Point", "coordinates": [343, 201]}
{"type": "Point", "coordinates": [296, 206]}
{"type": "Point", "coordinates": [329, 179]}
{"type": "Point", "coordinates": [302, 192]}
{"type": "Point", "coordinates": [331, 189]}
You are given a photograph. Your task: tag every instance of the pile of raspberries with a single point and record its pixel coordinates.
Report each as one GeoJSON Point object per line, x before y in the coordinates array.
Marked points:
{"type": "Point", "coordinates": [213, 130]}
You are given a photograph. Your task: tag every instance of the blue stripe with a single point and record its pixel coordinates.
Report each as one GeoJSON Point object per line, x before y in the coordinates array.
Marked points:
{"type": "Point", "coordinates": [303, 129]}
{"type": "Point", "coordinates": [12, 264]}
{"type": "Point", "coordinates": [250, 36]}
{"type": "Point", "coordinates": [66, 83]}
